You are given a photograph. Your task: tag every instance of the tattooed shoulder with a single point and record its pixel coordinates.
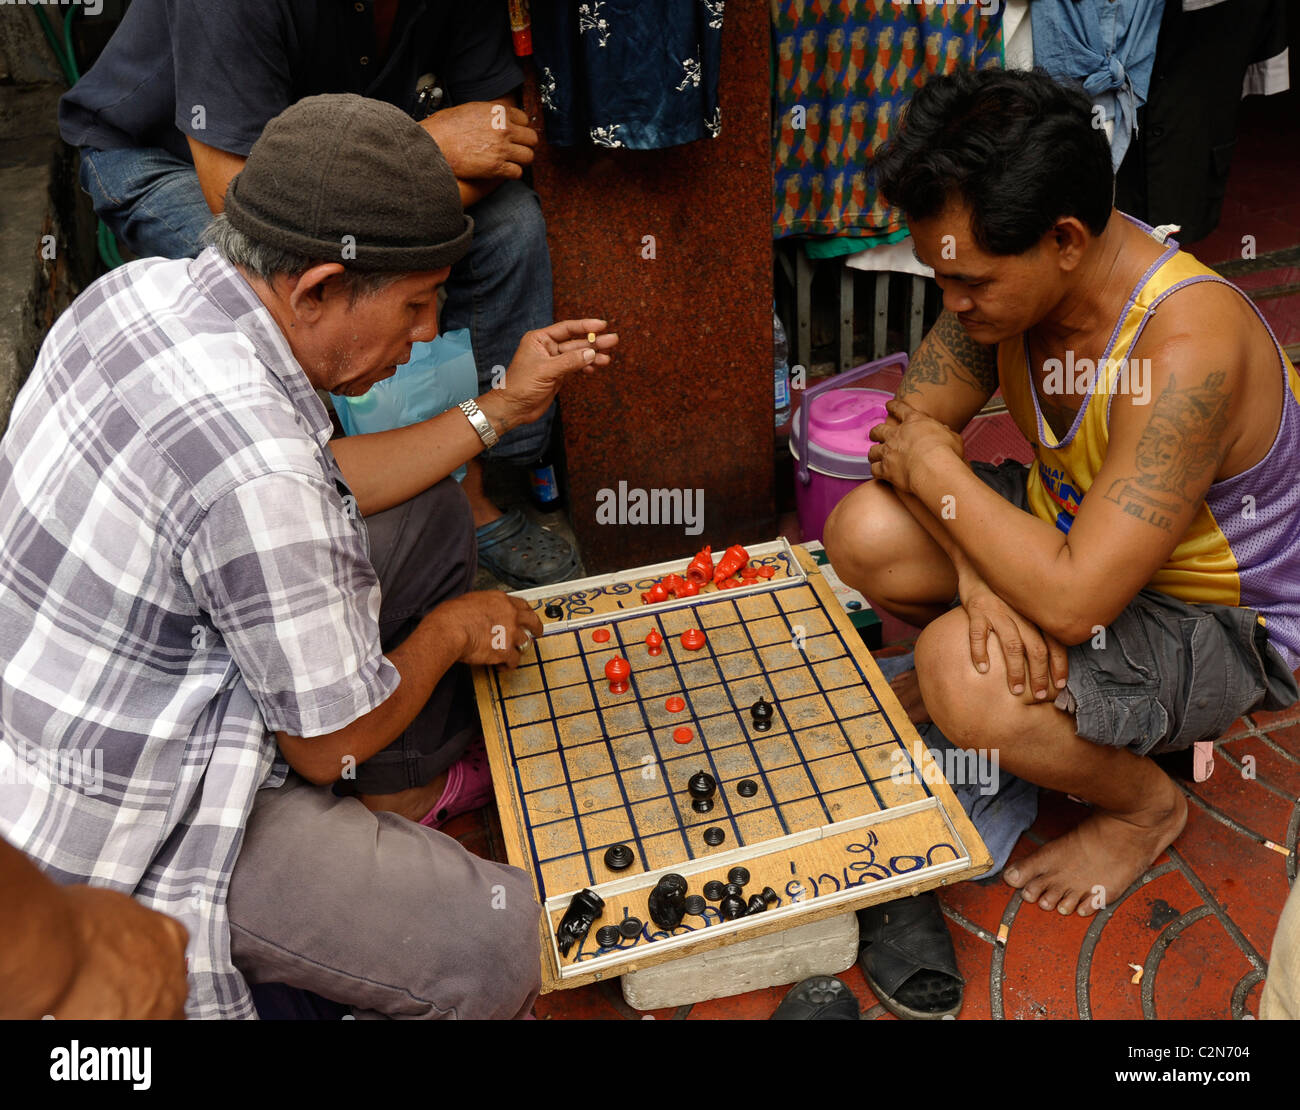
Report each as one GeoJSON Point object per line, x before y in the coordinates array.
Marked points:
{"type": "Point", "coordinates": [1182, 441]}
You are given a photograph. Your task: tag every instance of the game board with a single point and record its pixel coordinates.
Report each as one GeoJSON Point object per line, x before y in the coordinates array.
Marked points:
{"type": "Point", "coordinates": [843, 817]}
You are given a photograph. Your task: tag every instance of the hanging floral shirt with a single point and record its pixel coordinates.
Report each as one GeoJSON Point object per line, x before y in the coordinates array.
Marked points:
{"type": "Point", "coordinates": [628, 73]}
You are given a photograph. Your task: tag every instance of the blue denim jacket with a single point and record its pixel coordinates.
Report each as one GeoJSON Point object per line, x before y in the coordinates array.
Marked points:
{"type": "Point", "coordinates": [1110, 46]}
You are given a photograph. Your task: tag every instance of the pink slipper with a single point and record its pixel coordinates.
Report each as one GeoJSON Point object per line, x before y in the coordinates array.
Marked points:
{"type": "Point", "coordinates": [469, 786]}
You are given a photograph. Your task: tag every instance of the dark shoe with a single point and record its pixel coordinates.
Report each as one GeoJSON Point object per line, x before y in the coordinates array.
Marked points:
{"type": "Point", "coordinates": [906, 953]}
{"type": "Point", "coordinates": [821, 998]}
{"type": "Point", "coordinates": [523, 554]}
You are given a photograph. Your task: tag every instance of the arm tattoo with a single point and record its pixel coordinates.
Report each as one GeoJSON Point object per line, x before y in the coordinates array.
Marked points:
{"type": "Point", "coordinates": [948, 353]}
{"type": "Point", "coordinates": [1182, 440]}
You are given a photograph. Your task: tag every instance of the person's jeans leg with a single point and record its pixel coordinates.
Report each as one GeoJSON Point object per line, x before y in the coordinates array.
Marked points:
{"type": "Point", "coordinates": [149, 199]}
{"type": "Point", "coordinates": [424, 553]}
{"type": "Point", "coordinates": [500, 290]}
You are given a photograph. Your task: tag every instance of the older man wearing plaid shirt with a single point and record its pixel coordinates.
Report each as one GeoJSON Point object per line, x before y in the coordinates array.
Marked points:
{"type": "Point", "coordinates": [230, 613]}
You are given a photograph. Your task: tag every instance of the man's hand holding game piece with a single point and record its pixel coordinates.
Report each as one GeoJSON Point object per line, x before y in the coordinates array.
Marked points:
{"type": "Point", "coordinates": [905, 440]}
{"type": "Point", "coordinates": [545, 358]}
{"type": "Point", "coordinates": [495, 627]}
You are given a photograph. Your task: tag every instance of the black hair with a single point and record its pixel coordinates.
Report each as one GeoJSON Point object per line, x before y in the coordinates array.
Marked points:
{"type": "Point", "coordinates": [1019, 148]}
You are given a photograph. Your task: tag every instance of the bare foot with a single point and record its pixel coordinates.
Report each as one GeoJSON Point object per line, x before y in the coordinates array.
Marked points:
{"type": "Point", "coordinates": [1096, 862]}
{"type": "Point", "coordinates": [413, 804]}
{"type": "Point", "coordinates": [908, 691]}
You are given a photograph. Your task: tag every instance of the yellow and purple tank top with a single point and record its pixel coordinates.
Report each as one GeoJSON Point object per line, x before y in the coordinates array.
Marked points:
{"type": "Point", "coordinates": [1243, 546]}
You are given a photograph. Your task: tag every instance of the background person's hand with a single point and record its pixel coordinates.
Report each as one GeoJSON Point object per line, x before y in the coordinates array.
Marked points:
{"type": "Point", "coordinates": [474, 148]}
{"type": "Point", "coordinates": [542, 362]}
{"type": "Point", "coordinates": [131, 959]}
{"type": "Point", "coordinates": [1035, 660]}
{"type": "Point", "coordinates": [496, 627]}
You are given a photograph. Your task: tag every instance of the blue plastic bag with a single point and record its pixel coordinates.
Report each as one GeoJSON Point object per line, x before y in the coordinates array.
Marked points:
{"type": "Point", "coordinates": [437, 376]}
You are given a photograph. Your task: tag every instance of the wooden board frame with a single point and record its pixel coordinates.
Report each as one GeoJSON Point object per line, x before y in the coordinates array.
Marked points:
{"type": "Point", "coordinates": [817, 871]}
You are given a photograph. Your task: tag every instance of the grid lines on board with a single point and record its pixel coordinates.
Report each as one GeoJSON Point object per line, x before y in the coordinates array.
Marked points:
{"type": "Point", "coordinates": [593, 769]}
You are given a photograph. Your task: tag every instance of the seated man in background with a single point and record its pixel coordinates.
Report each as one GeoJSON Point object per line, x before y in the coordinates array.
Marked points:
{"type": "Point", "coordinates": [1135, 590]}
{"type": "Point", "coordinates": [167, 115]}
{"type": "Point", "coordinates": [238, 613]}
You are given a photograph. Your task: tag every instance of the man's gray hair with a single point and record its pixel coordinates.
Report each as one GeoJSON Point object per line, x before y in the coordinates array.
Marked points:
{"type": "Point", "coordinates": [268, 263]}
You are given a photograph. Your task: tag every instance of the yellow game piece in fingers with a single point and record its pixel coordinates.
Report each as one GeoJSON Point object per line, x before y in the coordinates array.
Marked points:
{"type": "Point", "coordinates": [591, 337]}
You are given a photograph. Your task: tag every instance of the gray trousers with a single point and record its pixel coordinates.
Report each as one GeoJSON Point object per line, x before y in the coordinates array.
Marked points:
{"type": "Point", "coordinates": [370, 909]}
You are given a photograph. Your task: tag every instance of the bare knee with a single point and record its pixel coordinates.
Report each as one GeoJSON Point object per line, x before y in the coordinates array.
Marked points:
{"type": "Point", "coordinates": [862, 532]}
{"type": "Point", "coordinates": [970, 708]}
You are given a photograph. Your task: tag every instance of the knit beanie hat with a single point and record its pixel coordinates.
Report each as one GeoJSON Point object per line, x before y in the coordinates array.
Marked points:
{"type": "Point", "coordinates": [341, 177]}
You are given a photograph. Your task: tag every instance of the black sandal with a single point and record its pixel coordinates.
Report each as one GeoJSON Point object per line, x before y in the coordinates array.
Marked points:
{"type": "Point", "coordinates": [821, 998]}
{"type": "Point", "coordinates": [906, 953]}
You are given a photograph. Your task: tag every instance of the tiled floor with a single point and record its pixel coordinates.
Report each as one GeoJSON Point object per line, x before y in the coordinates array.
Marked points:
{"type": "Point", "coordinates": [1192, 938]}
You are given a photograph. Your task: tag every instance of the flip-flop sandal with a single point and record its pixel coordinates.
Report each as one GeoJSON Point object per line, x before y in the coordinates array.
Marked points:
{"type": "Point", "coordinates": [821, 998]}
{"type": "Point", "coordinates": [523, 554]}
{"type": "Point", "coordinates": [906, 953]}
{"type": "Point", "coordinates": [469, 786]}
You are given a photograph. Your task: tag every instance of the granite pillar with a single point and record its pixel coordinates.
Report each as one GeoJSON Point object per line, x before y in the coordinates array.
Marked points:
{"type": "Point", "coordinates": [674, 248]}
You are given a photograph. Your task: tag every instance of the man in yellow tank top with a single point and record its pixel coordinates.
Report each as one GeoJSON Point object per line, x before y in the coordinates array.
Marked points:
{"type": "Point", "coordinates": [1137, 588]}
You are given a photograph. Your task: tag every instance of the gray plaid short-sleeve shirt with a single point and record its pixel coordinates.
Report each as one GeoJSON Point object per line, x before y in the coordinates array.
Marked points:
{"type": "Point", "coordinates": [182, 572]}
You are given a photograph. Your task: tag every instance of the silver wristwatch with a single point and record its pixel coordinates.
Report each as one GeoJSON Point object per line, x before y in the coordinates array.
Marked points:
{"type": "Point", "coordinates": [482, 424]}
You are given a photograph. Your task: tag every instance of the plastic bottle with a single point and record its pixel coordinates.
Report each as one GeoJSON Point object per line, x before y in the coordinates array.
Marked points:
{"type": "Point", "coordinates": [780, 370]}
{"type": "Point", "coordinates": [543, 485]}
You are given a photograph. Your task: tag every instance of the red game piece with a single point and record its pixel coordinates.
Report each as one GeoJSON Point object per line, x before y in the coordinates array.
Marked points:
{"type": "Point", "coordinates": [689, 589]}
{"type": "Point", "coordinates": [766, 572]}
{"type": "Point", "coordinates": [749, 573]}
{"type": "Point", "coordinates": [735, 558]}
{"type": "Point", "coordinates": [654, 642]}
{"type": "Point", "coordinates": [683, 735]}
{"type": "Point", "coordinates": [673, 584]}
{"type": "Point", "coordinates": [674, 705]}
{"type": "Point", "coordinates": [617, 671]}
{"type": "Point", "coordinates": [701, 568]}
{"type": "Point", "coordinates": [601, 635]}
{"type": "Point", "coordinates": [692, 639]}
{"type": "Point", "coordinates": [728, 584]}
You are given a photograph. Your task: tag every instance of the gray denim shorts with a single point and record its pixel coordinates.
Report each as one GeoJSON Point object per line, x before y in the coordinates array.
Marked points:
{"type": "Point", "coordinates": [1166, 673]}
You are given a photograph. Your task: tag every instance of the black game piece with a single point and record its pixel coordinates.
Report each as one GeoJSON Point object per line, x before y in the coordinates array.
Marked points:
{"type": "Point", "coordinates": [618, 856]}
{"type": "Point", "coordinates": [769, 896]}
{"type": "Point", "coordinates": [738, 875]}
{"type": "Point", "coordinates": [586, 906]}
{"type": "Point", "coordinates": [756, 905]}
{"type": "Point", "coordinates": [555, 611]}
{"type": "Point", "coordinates": [695, 904]}
{"type": "Point", "coordinates": [714, 836]}
{"type": "Point", "coordinates": [668, 902]}
{"type": "Point", "coordinates": [701, 785]}
{"type": "Point", "coordinates": [732, 907]}
{"type": "Point", "coordinates": [608, 936]}
{"type": "Point", "coordinates": [630, 927]}
{"type": "Point", "coordinates": [714, 891]}
{"type": "Point", "coordinates": [736, 889]}
{"type": "Point", "coordinates": [761, 711]}
{"type": "Point", "coordinates": [746, 788]}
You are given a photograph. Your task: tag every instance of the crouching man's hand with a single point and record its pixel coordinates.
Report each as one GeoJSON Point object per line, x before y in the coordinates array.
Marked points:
{"type": "Point", "coordinates": [1035, 661]}
{"type": "Point", "coordinates": [496, 627]}
{"type": "Point", "coordinates": [544, 359]}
